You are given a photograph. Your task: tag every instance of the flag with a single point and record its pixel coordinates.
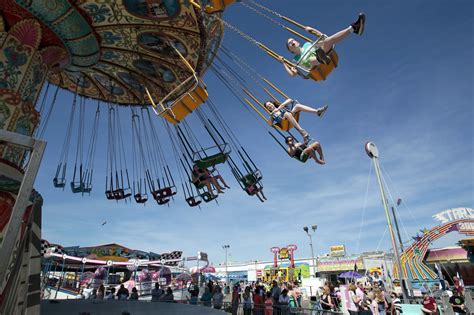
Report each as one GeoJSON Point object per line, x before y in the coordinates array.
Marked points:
{"type": "Point", "coordinates": [453, 228]}
{"type": "Point", "coordinates": [440, 276]}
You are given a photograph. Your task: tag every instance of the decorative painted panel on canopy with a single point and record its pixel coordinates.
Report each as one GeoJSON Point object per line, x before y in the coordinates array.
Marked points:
{"type": "Point", "coordinates": [116, 48]}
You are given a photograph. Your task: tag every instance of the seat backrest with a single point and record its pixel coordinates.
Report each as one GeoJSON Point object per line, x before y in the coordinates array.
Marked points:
{"type": "Point", "coordinates": [193, 202]}
{"type": "Point", "coordinates": [211, 160]}
{"type": "Point", "coordinates": [285, 125]}
{"type": "Point", "coordinates": [139, 198]}
{"type": "Point", "coordinates": [321, 72]}
{"type": "Point", "coordinates": [162, 201]}
{"type": "Point", "coordinates": [186, 104]}
{"type": "Point", "coordinates": [59, 182]}
{"type": "Point", "coordinates": [207, 197]}
{"type": "Point", "coordinates": [109, 195]}
{"type": "Point", "coordinates": [77, 187]}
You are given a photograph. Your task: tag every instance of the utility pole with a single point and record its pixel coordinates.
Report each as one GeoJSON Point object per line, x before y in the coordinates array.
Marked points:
{"type": "Point", "coordinates": [373, 153]}
{"type": "Point", "coordinates": [306, 229]}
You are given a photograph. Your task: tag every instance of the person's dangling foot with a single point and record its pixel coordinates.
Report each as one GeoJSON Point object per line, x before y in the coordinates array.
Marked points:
{"type": "Point", "coordinates": [321, 111]}
{"type": "Point", "coordinates": [306, 137]}
{"type": "Point", "coordinates": [358, 26]}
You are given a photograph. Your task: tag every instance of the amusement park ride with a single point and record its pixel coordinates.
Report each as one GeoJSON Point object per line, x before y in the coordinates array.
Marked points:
{"type": "Point", "coordinates": [140, 56]}
{"type": "Point", "coordinates": [280, 272]}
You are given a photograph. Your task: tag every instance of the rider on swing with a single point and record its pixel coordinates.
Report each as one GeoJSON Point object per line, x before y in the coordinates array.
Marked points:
{"type": "Point", "coordinates": [309, 56]}
{"type": "Point", "coordinates": [278, 112]}
{"type": "Point", "coordinates": [302, 152]}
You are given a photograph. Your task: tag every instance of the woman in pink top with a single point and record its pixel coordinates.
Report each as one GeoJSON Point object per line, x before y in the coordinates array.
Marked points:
{"type": "Point", "coordinates": [269, 304]}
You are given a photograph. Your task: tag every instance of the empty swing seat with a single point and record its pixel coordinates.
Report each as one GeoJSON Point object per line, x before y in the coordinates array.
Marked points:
{"type": "Point", "coordinates": [77, 187]}
{"type": "Point", "coordinates": [140, 198]}
{"type": "Point", "coordinates": [185, 104]}
{"type": "Point", "coordinates": [120, 194]}
{"type": "Point", "coordinates": [109, 195]}
{"type": "Point", "coordinates": [211, 161]}
{"type": "Point", "coordinates": [207, 197]}
{"type": "Point", "coordinates": [213, 6]}
{"type": "Point", "coordinates": [59, 183]}
{"type": "Point", "coordinates": [162, 196]}
{"type": "Point", "coordinates": [193, 201]}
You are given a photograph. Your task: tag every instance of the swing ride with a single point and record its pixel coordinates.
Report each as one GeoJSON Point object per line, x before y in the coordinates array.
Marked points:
{"type": "Point", "coordinates": [129, 60]}
{"type": "Point", "coordinates": [149, 62]}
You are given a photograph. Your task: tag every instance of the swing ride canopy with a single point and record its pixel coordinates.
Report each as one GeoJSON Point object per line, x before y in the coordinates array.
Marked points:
{"type": "Point", "coordinates": [113, 50]}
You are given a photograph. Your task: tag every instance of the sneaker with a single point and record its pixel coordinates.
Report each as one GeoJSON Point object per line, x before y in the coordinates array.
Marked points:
{"type": "Point", "coordinates": [322, 111]}
{"type": "Point", "coordinates": [358, 25]}
{"type": "Point", "coordinates": [322, 56]}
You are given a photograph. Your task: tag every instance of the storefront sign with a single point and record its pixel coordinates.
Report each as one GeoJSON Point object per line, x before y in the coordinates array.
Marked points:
{"type": "Point", "coordinates": [326, 264]}
{"type": "Point", "coordinates": [466, 227]}
{"type": "Point", "coordinates": [283, 253]}
{"type": "Point", "coordinates": [454, 214]}
{"type": "Point", "coordinates": [338, 250]}
{"type": "Point", "coordinates": [202, 256]}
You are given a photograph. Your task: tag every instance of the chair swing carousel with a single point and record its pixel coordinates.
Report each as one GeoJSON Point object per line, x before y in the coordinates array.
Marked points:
{"type": "Point", "coordinates": [154, 64]}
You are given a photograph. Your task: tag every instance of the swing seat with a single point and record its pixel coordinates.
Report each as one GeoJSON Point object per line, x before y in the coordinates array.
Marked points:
{"type": "Point", "coordinates": [214, 6]}
{"type": "Point", "coordinates": [199, 184]}
{"type": "Point", "coordinates": [302, 158]}
{"type": "Point", "coordinates": [162, 193]}
{"type": "Point", "coordinates": [285, 124]}
{"type": "Point", "coordinates": [185, 104]}
{"type": "Point", "coordinates": [193, 201]}
{"type": "Point", "coordinates": [252, 190]}
{"type": "Point", "coordinates": [251, 179]}
{"type": "Point", "coordinates": [109, 195]}
{"type": "Point", "coordinates": [212, 160]}
{"type": "Point", "coordinates": [140, 198]}
{"type": "Point", "coordinates": [77, 187]}
{"type": "Point", "coordinates": [59, 183]}
{"type": "Point", "coordinates": [321, 72]}
{"type": "Point", "coordinates": [87, 189]}
{"type": "Point", "coordinates": [162, 201]}
{"type": "Point", "coordinates": [207, 197]}
{"type": "Point", "coordinates": [120, 194]}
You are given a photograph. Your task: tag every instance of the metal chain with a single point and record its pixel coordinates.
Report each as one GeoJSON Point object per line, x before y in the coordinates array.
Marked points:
{"type": "Point", "coordinates": [242, 65]}
{"type": "Point", "coordinates": [265, 8]}
{"type": "Point", "coordinates": [241, 33]}
{"type": "Point", "coordinates": [262, 14]}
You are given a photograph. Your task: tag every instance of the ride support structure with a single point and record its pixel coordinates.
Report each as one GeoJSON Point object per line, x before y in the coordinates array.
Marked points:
{"type": "Point", "coordinates": [373, 153]}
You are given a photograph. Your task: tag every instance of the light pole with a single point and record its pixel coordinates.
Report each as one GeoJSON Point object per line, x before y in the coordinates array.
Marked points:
{"type": "Point", "coordinates": [226, 247]}
{"type": "Point", "coordinates": [306, 229]}
{"type": "Point", "coordinates": [373, 153]}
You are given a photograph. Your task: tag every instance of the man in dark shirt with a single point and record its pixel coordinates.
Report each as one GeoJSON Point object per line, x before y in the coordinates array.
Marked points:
{"type": "Point", "coordinates": [457, 302]}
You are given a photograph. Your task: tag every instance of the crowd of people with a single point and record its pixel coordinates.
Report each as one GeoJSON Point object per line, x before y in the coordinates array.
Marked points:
{"type": "Point", "coordinates": [285, 298]}
{"type": "Point", "coordinates": [100, 293]}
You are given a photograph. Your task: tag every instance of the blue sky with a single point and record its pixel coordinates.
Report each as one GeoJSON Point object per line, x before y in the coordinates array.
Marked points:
{"type": "Point", "coordinates": [406, 85]}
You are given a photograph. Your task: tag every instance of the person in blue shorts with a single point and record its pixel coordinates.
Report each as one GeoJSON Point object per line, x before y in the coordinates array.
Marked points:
{"type": "Point", "coordinates": [309, 56]}
{"type": "Point", "coordinates": [278, 112]}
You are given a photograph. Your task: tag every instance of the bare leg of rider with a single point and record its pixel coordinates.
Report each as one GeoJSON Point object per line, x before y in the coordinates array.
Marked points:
{"type": "Point", "coordinates": [311, 152]}
{"type": "Point", "coordinates": [336, 38]}
{"type": "Point", "coordinates": [216, 184]}
{"type": "Point", "coordinates": [304, 108]}
{"type": "Point", "coordinates": [209, 188]}
{"type": "Point", "coordinates": [219, 177]}
{"type": "Point", "coordinates": [288, 116]}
